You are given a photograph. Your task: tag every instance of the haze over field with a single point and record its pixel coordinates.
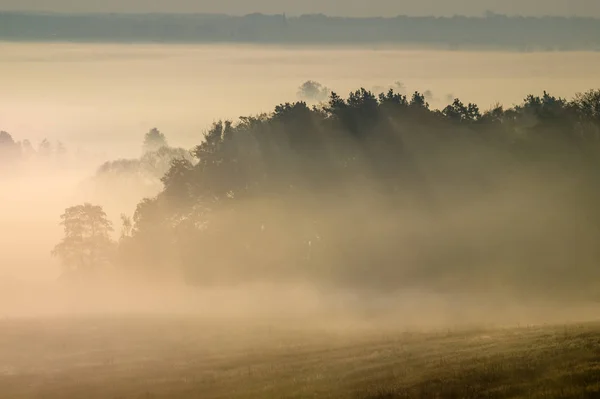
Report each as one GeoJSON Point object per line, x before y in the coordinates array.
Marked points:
{"type": "Point", "coordinates": [409, 201]}
{"type": "Point", "coordinates": [105, 97]}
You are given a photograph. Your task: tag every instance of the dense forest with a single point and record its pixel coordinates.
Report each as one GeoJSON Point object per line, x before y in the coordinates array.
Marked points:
{"type": "Point", "coordinates": [489, 31]}
{"type": "Point", "coordinates": [378, 192]}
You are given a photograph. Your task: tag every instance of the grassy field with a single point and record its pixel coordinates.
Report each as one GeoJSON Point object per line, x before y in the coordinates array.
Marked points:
{"type": "Point", "coordinates": [187, 358]}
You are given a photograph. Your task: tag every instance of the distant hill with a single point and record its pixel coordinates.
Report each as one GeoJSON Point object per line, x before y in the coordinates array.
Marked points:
{"type": "Point", "coordinates": [489, 31]}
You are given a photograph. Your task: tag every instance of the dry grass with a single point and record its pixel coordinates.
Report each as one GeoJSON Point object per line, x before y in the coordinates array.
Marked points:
{"type": "Point", "coordinates": [185, 358]}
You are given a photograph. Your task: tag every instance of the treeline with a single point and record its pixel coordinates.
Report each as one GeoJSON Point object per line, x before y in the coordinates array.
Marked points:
{"type": "Point", "coordinates": [373, 191]}
{"type": "Point", "coordinates": [16, 154]}
{"type": "Point", "coordinates": [137, 177]}
{"type": "Point", "coordinates": [155, 160]}
{"type": "Point", "coordinates": [491, 30]}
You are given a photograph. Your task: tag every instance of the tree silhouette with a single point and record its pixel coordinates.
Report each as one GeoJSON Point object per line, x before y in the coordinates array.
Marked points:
{"type": "Point", "coordinates": [27, 149]}
{"type": "Point", "coordinates": [457, 111]}
{"type": "Point", "coordinates": [6, 139]}
{"type": "Point", "coordinates": [126, 226]}
{"type": "Point", "coordinates": [588, 104]}
{"type": "Point", "coordinates": [10, 151]}
{"type": "Point", "coordinates": [45, 148]}
{"type": "Point", "coordinates": [418, 100]}
{"type": "Point", "coordinates": [86, 245]}
{"type": "Point", "coordinates": [154, 140]}
{"type": "Point", "coordinates": [313, 91]}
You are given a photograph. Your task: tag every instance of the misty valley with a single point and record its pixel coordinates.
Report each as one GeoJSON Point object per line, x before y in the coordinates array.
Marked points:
{"type": "Point", "coordinates": [340, 239]}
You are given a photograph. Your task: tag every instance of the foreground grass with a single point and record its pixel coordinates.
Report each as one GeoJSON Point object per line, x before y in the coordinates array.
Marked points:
{"type": "Point", "coordinates": [184, 358]}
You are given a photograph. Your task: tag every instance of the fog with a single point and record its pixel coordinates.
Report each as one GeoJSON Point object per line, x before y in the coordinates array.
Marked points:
{"type": "Point", "coordinates": [100, 100]}
{"type": "Point", "coordinates": [105, 97]}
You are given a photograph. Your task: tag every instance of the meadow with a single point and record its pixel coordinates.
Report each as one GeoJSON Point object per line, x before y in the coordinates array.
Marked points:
{"type": "Point", "coordinates": [180, 357]}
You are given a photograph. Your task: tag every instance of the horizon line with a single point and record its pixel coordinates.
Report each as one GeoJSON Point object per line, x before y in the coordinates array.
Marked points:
{"type": "Point", "coordinates": [483, 15]}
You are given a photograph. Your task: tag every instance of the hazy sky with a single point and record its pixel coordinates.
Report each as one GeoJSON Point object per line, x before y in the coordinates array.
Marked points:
{"type": "Point", "coordinates": [331, 7]}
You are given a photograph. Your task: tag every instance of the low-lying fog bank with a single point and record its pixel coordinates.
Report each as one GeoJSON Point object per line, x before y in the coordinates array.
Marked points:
{"type": "Point", "coordinates": [300, 305]}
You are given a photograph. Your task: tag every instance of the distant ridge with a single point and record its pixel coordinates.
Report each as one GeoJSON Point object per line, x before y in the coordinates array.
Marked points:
{"type": "Point", "coordinates": [489, 31]}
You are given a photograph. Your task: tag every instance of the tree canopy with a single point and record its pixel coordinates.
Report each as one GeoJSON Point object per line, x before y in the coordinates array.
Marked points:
{"type": "Point", "coordinates": [382, 191]}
